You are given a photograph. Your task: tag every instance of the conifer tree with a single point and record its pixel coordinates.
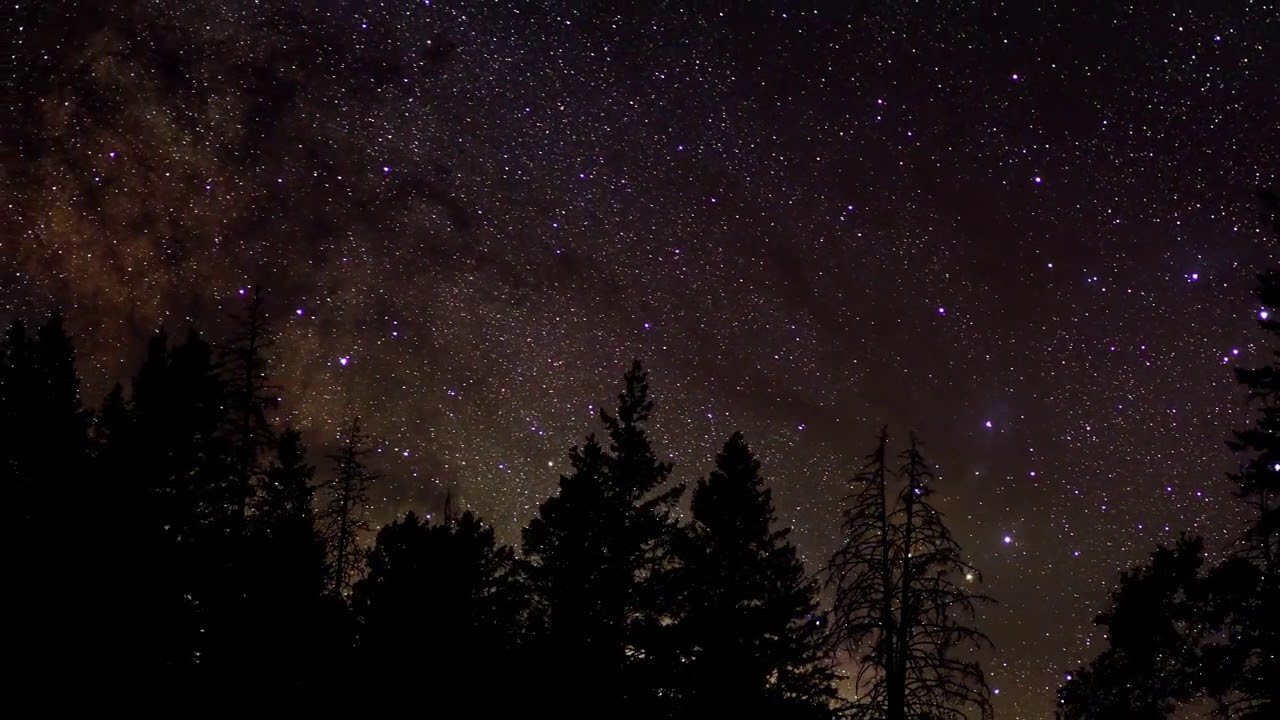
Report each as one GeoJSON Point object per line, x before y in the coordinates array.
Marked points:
{"type": "Point", "coordinates": [285, 578]}
{"type": "Point", "coordinates": [903, 609]}
{"type": "Point", "coordinates": [126, 504]}
{"type": "Point", "coordinates": [43, 476]}
{"type": "Point", "coordinates": [46, 428]}
{"type": "Point", "coordinates": [748, 624]}
{"type": "Point", "coordinates": [444, 589]}
{"type": "Point", "coordinates": [345, 514]}
{"type": "Point", "coordinates": [58, 413]}
{"type": "Point", "coordinates": [179, 402]}
{"type": "Point", "coordinates": [181, 464]}
{"type": "Point", "coordinates": [112, 427]}
{"type": "Point", "coordinates": [252, 398]}
{"type": "Point", "coordinates": [15, 398]}
{"type": "Point", "coordinates": [599, 558]}
{"type": "Point", "coordinates": [284, 504]}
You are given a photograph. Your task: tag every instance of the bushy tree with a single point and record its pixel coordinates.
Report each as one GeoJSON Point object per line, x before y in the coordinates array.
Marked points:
{"type": "Point", "coordinates": [1246, 589]}
{"type": "Point", "coordinates": [1151, 663]}
{"type": "Point", "coordinates": [438, 606]}
{"type": "Point", "coordinates": [1177, 634]}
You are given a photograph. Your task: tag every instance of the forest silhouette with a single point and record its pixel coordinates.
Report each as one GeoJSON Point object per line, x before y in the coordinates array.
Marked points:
{"type": "Point", "coordinates": [179, 542]}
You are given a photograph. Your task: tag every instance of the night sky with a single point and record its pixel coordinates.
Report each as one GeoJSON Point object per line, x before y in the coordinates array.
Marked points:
{"type": "Point", "coordinates": [1029, 234]}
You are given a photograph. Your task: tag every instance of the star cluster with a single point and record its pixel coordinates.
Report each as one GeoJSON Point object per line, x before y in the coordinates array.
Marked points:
{"type": "Point", "coordinates": [1027, 233]}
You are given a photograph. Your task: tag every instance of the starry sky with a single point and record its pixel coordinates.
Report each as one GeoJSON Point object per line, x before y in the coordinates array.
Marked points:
{"type": "Point", "coordinates": [1026, 230]}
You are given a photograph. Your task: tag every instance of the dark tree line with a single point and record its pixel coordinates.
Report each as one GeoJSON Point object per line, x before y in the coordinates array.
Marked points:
{"type": "Point", "coordinates": [1180, 631]}
{"type": "Point", "coordinates": [180, 543]}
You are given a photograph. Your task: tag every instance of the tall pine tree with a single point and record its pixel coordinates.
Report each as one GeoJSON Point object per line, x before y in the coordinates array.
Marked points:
{"type": "Point", "coordinates": [748, 626]}
{"type": "Point", "coordinates": [251, 400]}
{"type": "Point", "coordinates": [903, 607]}
{"type": "Point", "coordinates": [180, 466]}
{"type": "Point", "coordinates": [43, 476]}
{"type": "Point", "coordinates": [284, 575]}
{"type": "Point", "coordinates": [346, 512]}
{"type": "Point", "coordinates": [599, 558]}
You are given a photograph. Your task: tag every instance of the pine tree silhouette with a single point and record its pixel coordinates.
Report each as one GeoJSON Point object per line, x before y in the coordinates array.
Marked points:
{"type": "Point", "coordinates": [285, 577]}
{"type": "Point", "coordinates": [46, 428]}
{"type": "Point", "coordinates": [134, 631]}
{"type": "Point", "coordinates": [748, 623]}
{"type": "Point", "coordinates": [903, 608]}
{"type": "Point", "coordinates": [43, 475]}
{"type": "Point", "coordinates": [346, 510]}
{"type": "Point", "coordinates": [179, 401]}
{"type": "Point", "coordinates": [599, 555]}
{"type": "Point", "coordinates": [437, 606]}
{"type": "Point", "coordinates": [182, 465]}
{"type": "Point", "coordinates": [252, 398]}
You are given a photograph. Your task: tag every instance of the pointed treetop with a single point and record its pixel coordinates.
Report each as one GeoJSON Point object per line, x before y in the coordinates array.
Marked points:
{"type": "Point", "coordinates": [634, 405]}
{"type": "Point", "coordinates": [734, 485]}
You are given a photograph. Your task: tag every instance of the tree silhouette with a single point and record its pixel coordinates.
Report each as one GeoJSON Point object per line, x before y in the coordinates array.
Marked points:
{"type": "Point", "coordinates": [902, 607]}
{"type": "Point", "coordinates": [179, 402]}
{"type": "Point", "coordinates": [43, 474]}
{"type": "Point", "coordinates": [46, 429]}
{"type": "Point", "coordinates": [252, 398]}
{"type": "Point", "coordinates": [1177, 634]}
{"type": "Point", "coordinates": [285, 581]}
{"type": "Point", "coordinates": [1151, 663]}
{"type": "Point", "coordinates": [599, 554]}
{"type": "Point", "coordinates": [437, 606]}
{"type": "Point", "coordinates": [183, 466]}
{"type": "Point", "coordinates": [1247, 589]}
{"type": "Point", "coordinates": [346, 510]}
{"type": "Point", "coordinates": [748, 620]}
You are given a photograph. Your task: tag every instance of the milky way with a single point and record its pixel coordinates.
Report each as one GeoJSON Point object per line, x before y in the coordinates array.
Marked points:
{"type": "Point", "coordinates": [1028, 234]}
